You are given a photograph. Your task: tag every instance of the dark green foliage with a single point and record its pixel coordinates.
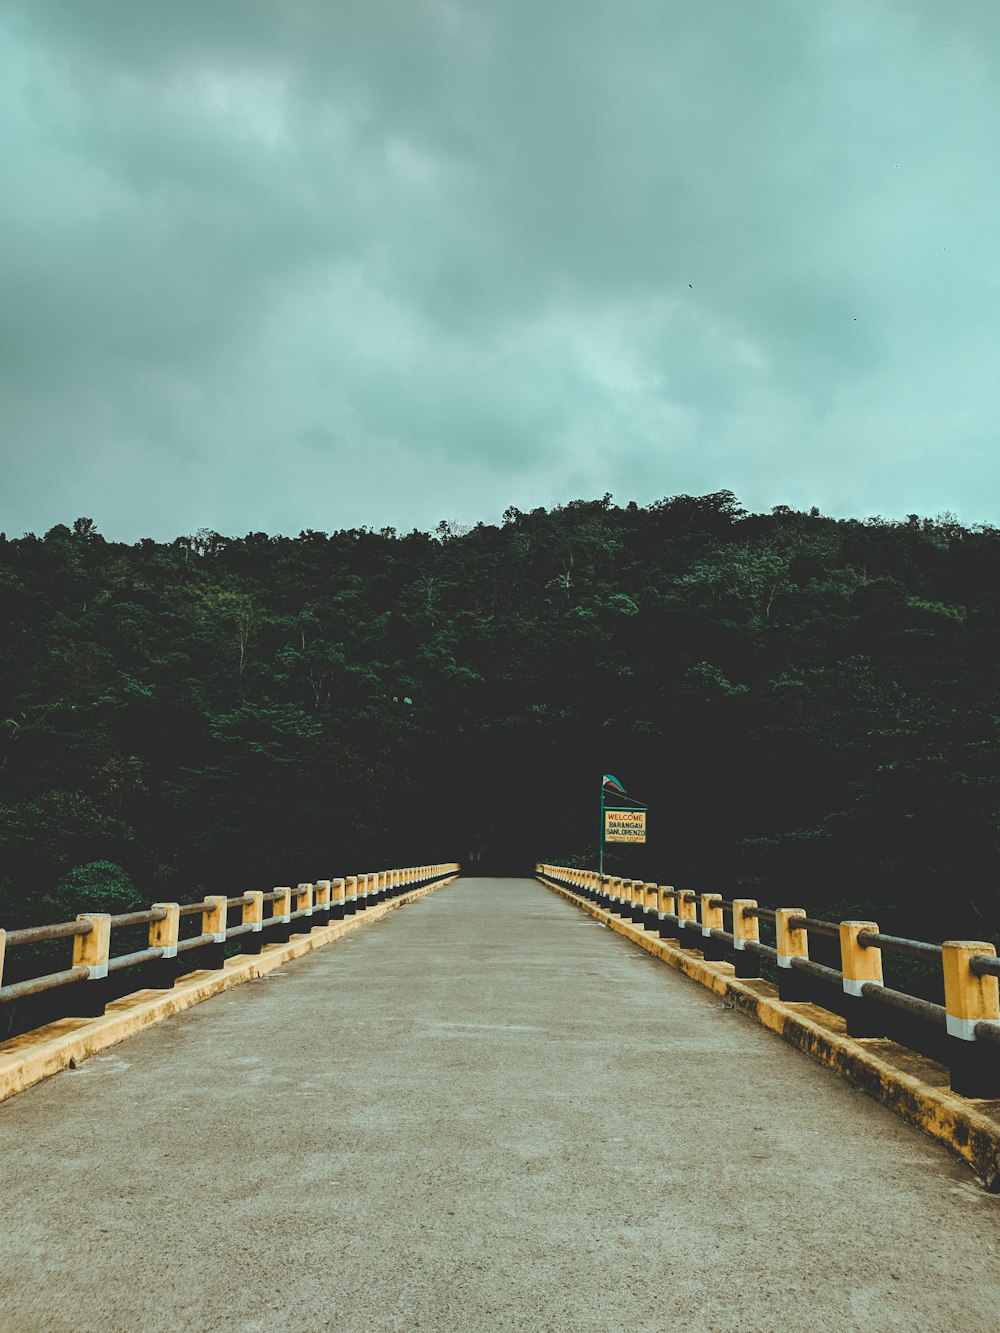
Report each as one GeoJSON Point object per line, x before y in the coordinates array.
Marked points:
{"type": "Point", "coordinates": [809, 705]}
{"type": "Point", "coordinates": [98, 886]}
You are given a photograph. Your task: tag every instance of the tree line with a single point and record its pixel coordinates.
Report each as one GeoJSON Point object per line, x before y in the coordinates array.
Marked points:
{"type": "Point", "coordinates": [808, 704]}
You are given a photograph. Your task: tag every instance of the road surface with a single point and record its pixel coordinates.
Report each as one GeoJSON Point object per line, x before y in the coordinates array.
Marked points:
{"type": "Point", "coordinates": [484, 1112]}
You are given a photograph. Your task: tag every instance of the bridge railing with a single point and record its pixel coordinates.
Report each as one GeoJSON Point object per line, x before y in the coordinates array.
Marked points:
{"type": "Point", "coordinates": [963, 1033]}
{"type": "Point", "coordinates": [180, 938]}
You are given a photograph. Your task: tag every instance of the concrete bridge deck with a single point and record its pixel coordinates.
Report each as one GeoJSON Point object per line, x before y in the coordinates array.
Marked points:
{"type": "Point", "coordinates": [484, 1112]}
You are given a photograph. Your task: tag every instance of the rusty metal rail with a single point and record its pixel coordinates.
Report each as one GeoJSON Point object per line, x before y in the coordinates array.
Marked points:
{"type": "Point", "coordinates": [196, 942]}
{"type": "Point", "coordinates": [817, 970]}
{"type": "Point", "coordinates": [20, 990]}
{"type": "Point", "coordinates": [817, 927]}
{"type": "Point", "coordinates": [36, 934]}
{"type": "Point", "coordinates": [138, 918]}
{"type": "Point", "coordinates": [870, 939]}
{"type": "Point", "coordinates": [134, 959]}
{"type": "Point", "coordinates": [761, 913]}
{"type": "Point", "coordinates": [907, 1004]}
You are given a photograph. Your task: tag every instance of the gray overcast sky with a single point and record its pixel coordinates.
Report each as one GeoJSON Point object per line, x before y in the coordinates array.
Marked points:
{"type": "Point", "coordinates": [275, 264]}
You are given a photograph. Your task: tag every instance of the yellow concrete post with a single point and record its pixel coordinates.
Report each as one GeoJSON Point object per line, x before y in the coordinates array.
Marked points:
{"type": "Point", "coordinates": [213, 922]}
{"type": "Point", "coordinates": [213, 917]}
{"type": "Point", "coordinates": [253, 911]}
{"type": "Point", "coordinates": [711, 913]}
{"type": "Point", "coordinates": [711, 919]}
{"type": "Point", "coordinates": [649, 907]}
{"type": "Point", "coordinates": [791, 942]}
{"type": "Point", "coordinates": [321, 902]}
{"type": "Point", "coordinates": [687, 919]}
{"type": "Point", "coordinates": [746, 930]}
{"type": "Point", "coordinates": [860, 966]}
{"type": "Point", "coordinates": [92, 951]}
{"type": "Point", "coordinates": [304, 898]}
{"type": "Point", "coordinates": [338, 891]}
{"type": "Point", "coordinates": [970, 999]}
{"type": "Point", "coordinates": [665, 908]}
{"type": "Point", "coordinates": [162, 972]}
{"type": "Point", "coordinates": [253, 915]}
{"type": "Point", "coordinates": [281, 910]}
{"type": "Point", "coordinates": [164, 934]}
{"type": "Point", "coordinates": [351, 894]}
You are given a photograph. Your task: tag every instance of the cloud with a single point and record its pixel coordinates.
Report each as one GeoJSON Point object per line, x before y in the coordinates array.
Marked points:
{"type": "Point", "coordinates": [306, 265]}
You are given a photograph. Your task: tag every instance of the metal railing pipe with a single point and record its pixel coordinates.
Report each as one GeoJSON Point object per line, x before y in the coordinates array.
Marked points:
{"type": "Point", "coordinates": [36, 934]}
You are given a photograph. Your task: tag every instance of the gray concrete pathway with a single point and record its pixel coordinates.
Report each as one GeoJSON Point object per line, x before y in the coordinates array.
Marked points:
{"type": "Point", "coordinates": [485, 1112]}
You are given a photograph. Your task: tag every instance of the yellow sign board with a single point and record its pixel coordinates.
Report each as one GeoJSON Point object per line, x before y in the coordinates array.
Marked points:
{"type": "Point", "coordinates": [624, 826]}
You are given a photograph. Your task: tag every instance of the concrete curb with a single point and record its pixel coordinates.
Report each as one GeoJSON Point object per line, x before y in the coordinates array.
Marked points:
{"type": "Point", "coordinates": [900, 1079]}
{"type": "Point", "coordinates": [28, 1059]}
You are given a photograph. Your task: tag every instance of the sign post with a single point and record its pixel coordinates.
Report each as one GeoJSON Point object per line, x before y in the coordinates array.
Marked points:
{"type": "Point", "coordinates": [625, 823]}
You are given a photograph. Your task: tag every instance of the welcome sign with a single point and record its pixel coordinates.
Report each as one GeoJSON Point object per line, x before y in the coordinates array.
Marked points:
{"type": "Point", "coordinates": [625, 826]}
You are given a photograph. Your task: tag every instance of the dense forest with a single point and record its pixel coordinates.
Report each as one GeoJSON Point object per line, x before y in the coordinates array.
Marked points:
{"type": "Point", "coordinates": [809, 706]}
